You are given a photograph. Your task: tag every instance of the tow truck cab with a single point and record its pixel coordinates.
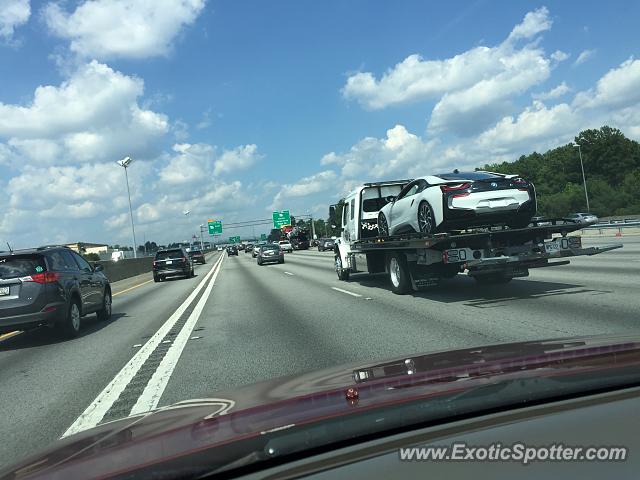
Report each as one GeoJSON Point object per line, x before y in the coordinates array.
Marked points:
{"type": "Point", "coordinates": [360, 211]}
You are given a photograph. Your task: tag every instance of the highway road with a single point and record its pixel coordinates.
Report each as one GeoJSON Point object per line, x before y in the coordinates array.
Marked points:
{"type": "Point", "coordinates": [237, 323]}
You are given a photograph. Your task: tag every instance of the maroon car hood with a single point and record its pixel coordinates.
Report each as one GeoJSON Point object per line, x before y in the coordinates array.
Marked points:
{"type": "Point", "coordinates": [251, 411]}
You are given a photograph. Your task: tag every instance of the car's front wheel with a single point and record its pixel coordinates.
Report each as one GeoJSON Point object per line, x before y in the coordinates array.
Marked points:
{"type": "Point", "coordinates": [426, 219]}
{"type": "Point", "coordinates": [104, 313]}
{"type": "Point", "coordinates": [383, 225]}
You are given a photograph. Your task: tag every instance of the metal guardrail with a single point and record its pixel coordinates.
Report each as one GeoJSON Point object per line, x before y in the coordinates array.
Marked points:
{"type": "Point", "coordinates": [618, 224]}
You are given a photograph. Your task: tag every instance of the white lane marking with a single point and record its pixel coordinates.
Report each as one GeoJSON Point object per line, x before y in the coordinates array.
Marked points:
{"type": "Point", "coordinates": [346, 291]}
{"type": "Point", "coordinates": [158, 382]}
{"type": "Point", "coordinates": [289, 273]}
{"type": "Point", "coordinates": [96, 411]}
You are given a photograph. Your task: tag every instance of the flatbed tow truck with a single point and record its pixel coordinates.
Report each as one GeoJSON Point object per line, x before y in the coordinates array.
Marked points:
{"type": "Point", "coordinates": [490, 255]}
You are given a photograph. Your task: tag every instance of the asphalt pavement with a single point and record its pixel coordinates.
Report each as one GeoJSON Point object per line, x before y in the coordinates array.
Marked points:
{"type": "Point", "coordinates": [237, 323]}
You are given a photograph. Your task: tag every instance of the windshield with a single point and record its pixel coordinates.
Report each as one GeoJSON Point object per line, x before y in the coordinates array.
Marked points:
{"type": "Point", "coordinates": [152, 152]}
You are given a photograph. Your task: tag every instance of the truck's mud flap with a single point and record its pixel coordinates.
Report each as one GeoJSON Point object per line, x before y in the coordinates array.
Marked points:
{"type": "Point", "coordinates": [423, 277]}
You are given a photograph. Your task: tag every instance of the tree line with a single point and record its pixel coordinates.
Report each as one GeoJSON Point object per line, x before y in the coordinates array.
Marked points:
{"type": "Point", "coordinates": [611, 166]}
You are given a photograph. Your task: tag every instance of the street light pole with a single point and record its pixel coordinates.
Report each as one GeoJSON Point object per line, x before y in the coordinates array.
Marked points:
{"type": "Point", "coordinates": [584, 180]}
{"type": "Point", "coordinates": [124, 163]}
{"type": "Point", "coordinates": [201, 240]}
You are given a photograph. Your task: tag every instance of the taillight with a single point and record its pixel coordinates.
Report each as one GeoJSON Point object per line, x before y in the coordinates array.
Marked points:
{"type": "Point", "coordinates": [454, 188]}
{"type": "Point", "coordinates": [46, 277]}
{"type": "Point", "coordinates": [520, 183]}
{"type": "Point", "coordinates": [184, 260]}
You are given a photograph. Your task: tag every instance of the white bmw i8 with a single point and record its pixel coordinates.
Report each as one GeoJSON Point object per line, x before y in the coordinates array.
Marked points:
{"type": "Point", "coordinates": [457, 201]}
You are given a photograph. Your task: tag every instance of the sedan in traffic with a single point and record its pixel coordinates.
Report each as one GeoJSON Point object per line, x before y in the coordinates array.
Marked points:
{"type": "Point", "coordinates": [232, 250]}
{"type": "Point", "coordinates": [582, 218]}
{"type": "Point", "coordinates": [285, 246]}
{"type": "Point", "coordinates": [457, 201]}
{"type": "Point", "coordinates": [326, 244]}
{"type": "Point", "coordinates": [270, 253]}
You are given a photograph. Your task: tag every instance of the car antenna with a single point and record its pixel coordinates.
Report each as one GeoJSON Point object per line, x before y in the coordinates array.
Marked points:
{"type": "Point", "coordinates": [10, 249]}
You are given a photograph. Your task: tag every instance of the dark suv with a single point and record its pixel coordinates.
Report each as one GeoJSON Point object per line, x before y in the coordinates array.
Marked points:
{"type": "Point", "coordinates": [50, 286]}
{"type": "Point", "coordinates": [197, 255]}
{"type": "Point", "coordinates": [172, 262]}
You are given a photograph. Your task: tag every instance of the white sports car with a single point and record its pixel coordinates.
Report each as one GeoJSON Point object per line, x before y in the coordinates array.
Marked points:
{"type": "Point", "coordinates": [458, 200]}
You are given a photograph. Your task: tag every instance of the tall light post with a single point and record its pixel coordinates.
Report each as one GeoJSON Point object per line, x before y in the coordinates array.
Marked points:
{"type": "Point", "coordinates": [584, 180]}
{"type": "Point", "coordinates": [202, 227]}
{"type": "Point", "coordinates": [124, 163]}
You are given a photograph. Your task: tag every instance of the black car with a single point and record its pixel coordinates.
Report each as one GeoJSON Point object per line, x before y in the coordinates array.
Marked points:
{"type": "Point", "coordinates": [172, 262]}
{"type": "Point", "coordinates": [326, 244]}
{"type": "Point", "coordinates": [232, 250]}
{"type": "Point", "coordinates": [50, 286]}
{"type": "Point", "coordinates": [248, 248]}
{"type": "Point", "coordinates": [197, 256]}
{"type": "Point", "coordinates": [271, 252]}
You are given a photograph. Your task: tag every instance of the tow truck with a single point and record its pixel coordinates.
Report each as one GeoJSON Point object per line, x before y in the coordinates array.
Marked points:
{"type": "Point", "coordinates": [491, 255]}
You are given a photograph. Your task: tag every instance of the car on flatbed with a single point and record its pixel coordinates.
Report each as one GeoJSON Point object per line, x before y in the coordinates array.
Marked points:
{"type": "Point", "coordinates": [412, 260]}
{"type": "Point", "coordinates": [457, 201]}
{"type": "Point", "coordinates": [172, 262]}
{"type": "Point", "coordinates": [51, 285]}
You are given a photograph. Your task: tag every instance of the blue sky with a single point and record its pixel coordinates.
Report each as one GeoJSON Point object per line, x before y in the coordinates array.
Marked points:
{"type": "Point", "coordinates": [233, 108]}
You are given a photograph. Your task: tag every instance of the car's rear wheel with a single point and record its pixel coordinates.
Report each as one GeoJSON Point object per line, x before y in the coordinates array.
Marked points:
{"type": "Point", "coordinates": [259, 262]}
{"type": "Point", "coordinates": [104, 313]}
{"type": "Point", "coordinates": [343, 274]}
{"type": "Point", "coordinates": [426, 219]}
{"type": "Point", "coordinates": [281, 261]}
{"type": "Point", "coordinates": [156, 278]}
{"type": "Point", "coordinates": [383, 225]}
{"type": "Point", "coordinates": [70, 326]}
{"type": "Point", "coordinates": [399, 274]}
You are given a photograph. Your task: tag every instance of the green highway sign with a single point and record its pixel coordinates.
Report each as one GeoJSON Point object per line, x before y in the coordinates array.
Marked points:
{"type": "Point", "coordinates": [234, 239]}
{"type": "Point", "coordinates": [263, 236]}
{"type": "Point", "coordinates": [215, 227]}
{"type": "Point", "coordinates": [281, 218]}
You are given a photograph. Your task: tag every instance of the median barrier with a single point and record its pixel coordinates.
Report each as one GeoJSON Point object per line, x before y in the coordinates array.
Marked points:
{"type": "Point", "coordinates": [125, 268]}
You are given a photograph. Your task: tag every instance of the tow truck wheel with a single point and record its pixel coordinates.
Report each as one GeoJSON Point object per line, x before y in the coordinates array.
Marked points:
{"type": "Point", "coordinates": [343, 274]}
{"type": "Point", "coordinates": [399, 274]}
{"type": "Point", "coordinates": [383, 226]}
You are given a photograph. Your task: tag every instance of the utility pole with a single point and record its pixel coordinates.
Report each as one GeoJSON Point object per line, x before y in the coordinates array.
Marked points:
{"type": "Point", "coordinates": [584, 179]}
{"type": "Point", "coordinates": [124, 163]}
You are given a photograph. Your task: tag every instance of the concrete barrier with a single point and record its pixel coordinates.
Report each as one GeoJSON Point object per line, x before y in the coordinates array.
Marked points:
{"type": "Point", "coordinates": [129, 267]}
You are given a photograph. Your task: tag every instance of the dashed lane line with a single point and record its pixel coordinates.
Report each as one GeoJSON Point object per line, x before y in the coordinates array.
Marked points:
{"type": "Point", "coordinates": [346, 291]}
{"type": "Point", "coordinates": [96, 411]}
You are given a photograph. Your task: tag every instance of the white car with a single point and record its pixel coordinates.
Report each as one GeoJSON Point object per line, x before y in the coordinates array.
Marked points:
{"type": "Point", "coordinates": [456, 201]}
{"type": "Point", "coordinates": [285, 246]}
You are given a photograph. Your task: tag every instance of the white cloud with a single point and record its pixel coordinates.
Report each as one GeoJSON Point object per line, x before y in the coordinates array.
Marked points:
{"type": "Point", "coordinates": [618, 88]}
{"type": "Point", "coordinates": [306, 186]}
{"type": "Point", "coordinates": [473, 88]}
{"type": "Point", "coordinates": [92, 116]}
{"type": "Point", "coordinates": [584, 56]}
{"type": "Point", "coordinates": [106, 29]}
{"type": "Point", "coordinates": [534, 22]}
{"type": "Point", "coordinates": [559, 56]}
{"type": "Point", "coordinates": [415, 78]}
{"type": "Point", "coordinates": [555, 92]}
{"type": "Point", "coordinates": [534, 124]}
{"type": "Point", "coordinates": [240, 158]}
{"type": "Point", "coordinates": [380, 157]}
{"type": "Point", "coordinates": [13, 13]}
{"type": "Point", "coordinates": [199, 163]}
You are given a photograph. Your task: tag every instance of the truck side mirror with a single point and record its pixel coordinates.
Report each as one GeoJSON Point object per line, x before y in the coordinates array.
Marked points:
{"type": "Point", "coordinates": [332, 214]}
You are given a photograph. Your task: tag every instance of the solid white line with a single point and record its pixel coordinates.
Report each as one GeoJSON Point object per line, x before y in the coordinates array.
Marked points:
{"type": "Point", "coordinates": [158, 382]}
{"type": "Point", "coordinates": [288, 273]}
{"type": "Point", "coordinates": [346, 291]}
{"type": "Point", "coordinates": [95, 412]}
